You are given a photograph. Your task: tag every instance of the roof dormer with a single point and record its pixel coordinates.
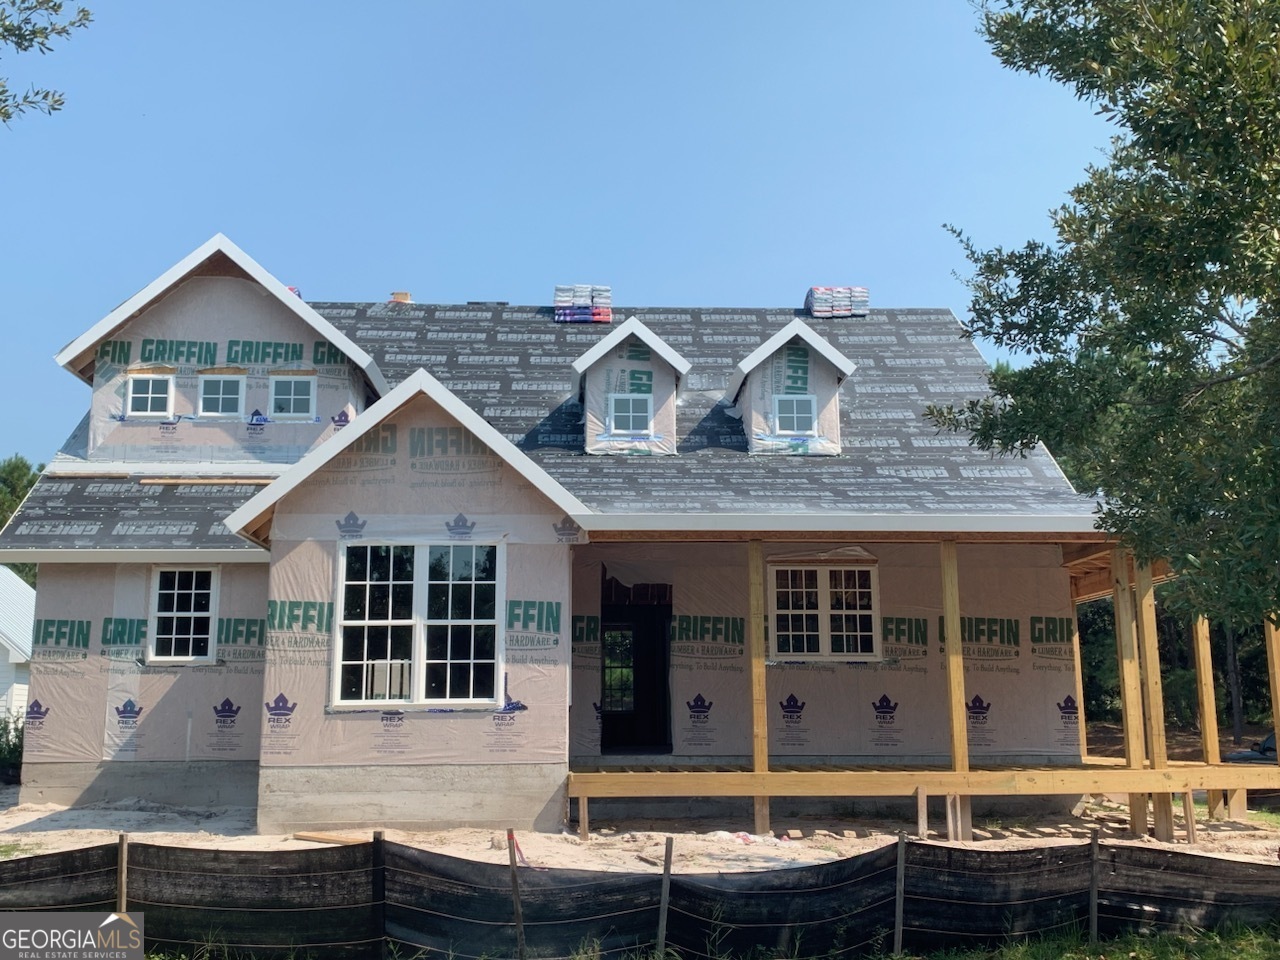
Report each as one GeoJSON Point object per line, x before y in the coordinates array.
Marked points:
{"type": "Point", "coordinates": [629, 383]}
{"type": "Point", "coordinates": [788, 390]}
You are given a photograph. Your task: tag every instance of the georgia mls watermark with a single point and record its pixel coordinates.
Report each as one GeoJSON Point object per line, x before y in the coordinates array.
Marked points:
{"type": "Point", "coordinates": [71, 936]}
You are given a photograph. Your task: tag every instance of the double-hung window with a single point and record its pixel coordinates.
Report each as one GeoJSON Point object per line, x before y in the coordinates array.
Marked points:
{"type": "Point", "coordinates": [221, 396]}
{"type": "Point", "coordinates": [631, 414]}
{"type": "Point", "coordinates": [419, 624]}
{"type": "Point", "coordinates": [824, 612]}
{"type": "Point", "coordinates": [150, 396]}
{"type": "Point", "coordinates": [293, 397]}
{"type": "Point", "coordinates": [183, 623]}
{"type": "Point", "coordinates": [795, 414]}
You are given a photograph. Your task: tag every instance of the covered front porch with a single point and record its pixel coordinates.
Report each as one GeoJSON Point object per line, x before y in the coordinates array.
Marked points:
{"type": "Point", "coordinates": [1144, 773]}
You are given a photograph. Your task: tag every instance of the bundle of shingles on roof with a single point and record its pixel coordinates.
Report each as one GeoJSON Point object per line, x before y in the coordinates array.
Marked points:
{"type": "Point", "coordinates": [836, 302]}
{"type": "Point", "coordinates": [583, 303]}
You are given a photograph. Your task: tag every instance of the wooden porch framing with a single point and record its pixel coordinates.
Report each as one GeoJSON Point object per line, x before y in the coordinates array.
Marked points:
{"type": "Point", "coordinates": [1145, 773]}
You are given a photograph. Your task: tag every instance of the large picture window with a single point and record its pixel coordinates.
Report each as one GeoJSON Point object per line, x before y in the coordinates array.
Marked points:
{"type": "Point", "coordinates": [419, 624]}
{"type": "Point", "coordinates": [824, 612]}
{"type": "Point", "coordinates": [184, 611]}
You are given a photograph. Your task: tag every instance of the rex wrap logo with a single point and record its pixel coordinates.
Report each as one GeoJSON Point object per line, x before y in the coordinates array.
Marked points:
{"type": "Point", "coordinates": [225, 713]}
{"type": "Point", "coordinates": [279, 713]}
{"type": "Point", "coordinates": [977, 709]}
{"type": "Point", "coordinates": [885, 710]}
{"type": "Point", "coordinates": [1069, 711]}
{"type": "Point", "coordinates": [792, 710]}
{"type": "Point", "coordinates": [127, 715]}
{"type": "Point", "coordinates": [699, 709]}
{"type": "Point", "coordinates": [36, 712]}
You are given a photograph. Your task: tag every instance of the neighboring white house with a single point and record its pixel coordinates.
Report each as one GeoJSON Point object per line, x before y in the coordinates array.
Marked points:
{"type": "Point", "coordinates": [17, 614]}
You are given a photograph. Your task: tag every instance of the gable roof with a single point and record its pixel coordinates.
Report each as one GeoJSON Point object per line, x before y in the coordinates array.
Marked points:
{"type": "Point", "coordinates": [796, 328]}
{"type": "Point", "coordinates": [216, 257]}
{"type": "Point", "coordinates": [631, 328]}
{"type": "Point", "coordinates": [251, 519]}
{"type": "Point", "coordinates": [17, 615]}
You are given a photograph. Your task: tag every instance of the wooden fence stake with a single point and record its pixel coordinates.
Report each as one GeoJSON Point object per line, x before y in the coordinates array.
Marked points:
{"type": "Point", "coordinates": [900, 895]}
{"type": "Point", "coordinates": [1093, 886]}
{"type": "Point", "coordinates": [122, 874]}
{"type": "Point", "coordinates": [379, 884]}
{"type": "Point", "coordinates": [661, 948]}
{"type": "Point", "coordinates": [922, 814]}
{"type": "Point", "coordinates": [515, 893]}
{"type": "Point", "coordinates": [1189, 815]}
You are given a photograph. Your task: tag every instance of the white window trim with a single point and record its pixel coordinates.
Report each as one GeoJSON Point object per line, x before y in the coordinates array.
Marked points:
{"type": "Point", "coordinates": [271, 398]}
{"type": "Point", "coordinates": [647, 398]}
{"type": "Point", "coordinates": [131, 414]}
{"type": "Point", "coordinates": [418, 663]}
{"type": "Point", "coordinates": [153, 599]}
{"type": "Point", "coordinates": [813, 406]}
{"type": "Point", "coordinates": [824, 612]}
{"type": "Point", "coordinates": [200, 411]}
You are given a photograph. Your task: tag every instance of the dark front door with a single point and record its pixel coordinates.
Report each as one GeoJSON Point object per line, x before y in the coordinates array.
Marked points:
{"type": "Point", "coordinates": [635, 706]}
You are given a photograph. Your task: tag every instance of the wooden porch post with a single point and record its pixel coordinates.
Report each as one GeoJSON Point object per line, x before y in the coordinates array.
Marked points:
{"type": "Point", "coordinates": [1075, 649]}
{"type": "Point", "coordinates": [1153, 697]}
{"type": "Point", "coordinates": [759, 695]}
{"type": "Point", "coordinates": [1207, 703]}
{"type": "Point", "coordinates": [1130, 685]}
{"type": "Point", "coordinates": [1271, 635]}
{"type": "Point", "coordinates": [955, 687]}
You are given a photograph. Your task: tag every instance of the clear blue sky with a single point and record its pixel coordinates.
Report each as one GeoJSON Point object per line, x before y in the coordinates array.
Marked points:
{"type": "Point", "coordinates": [687, 153]}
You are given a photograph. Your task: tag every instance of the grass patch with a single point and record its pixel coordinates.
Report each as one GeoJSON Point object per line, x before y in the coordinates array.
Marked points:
{"type": "Point", "coordinates": [1240, 944]}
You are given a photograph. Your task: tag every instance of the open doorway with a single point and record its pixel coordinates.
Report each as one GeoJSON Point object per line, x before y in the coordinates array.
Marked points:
{"type": "Point", "coordinates": [635, 705]}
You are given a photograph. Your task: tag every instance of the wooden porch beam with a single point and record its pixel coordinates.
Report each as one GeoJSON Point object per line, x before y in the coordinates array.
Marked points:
{"type": "Point", "coordinates": [1153, 696]}
{"type": "Point", "coordinates": [759, 691]}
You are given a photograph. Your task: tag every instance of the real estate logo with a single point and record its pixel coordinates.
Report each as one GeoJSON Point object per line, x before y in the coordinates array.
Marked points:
{"type": "Point", "coordinates": [71, 936]}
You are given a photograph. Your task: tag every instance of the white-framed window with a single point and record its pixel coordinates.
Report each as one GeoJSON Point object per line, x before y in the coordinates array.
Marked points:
{"type": "Point", "coordinates": [631, 413]}
{"type": "Point", "coordinates": [221, 396]}
{"type": "Point", "coordinates": [795, 414]}
{"type": "Point", "coordinates": [150, 395]}
{"type": "Point", "coordinates": [293, 397]}
{"type": "Point", "coordinates": [184, 609]}
{"type": "Point", "coordinates": [419, 624]}
{"type": "Point", "coordinates": [824, 612]}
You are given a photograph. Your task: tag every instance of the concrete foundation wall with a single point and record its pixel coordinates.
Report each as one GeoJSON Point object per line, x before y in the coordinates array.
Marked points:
{"type": "Point", "coordinates": [196, 783]}
{"type": "Point", "coordinates": [428, 797]}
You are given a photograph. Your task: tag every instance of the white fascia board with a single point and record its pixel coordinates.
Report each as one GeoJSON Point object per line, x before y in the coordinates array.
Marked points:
{"type": "Point", "coordinates": [631, 328]}
{"type": "Point", "coordinates": [175, 274]}
{"type": "Point", "coordinates": [796, 328]}
{"type": "Point", "coordinates": [134, 468]}
{"type": "Point", "coordinates": [844, 523]}
{"type": "Point", "coordinates": [127, 555]}
{"type": "Point", "coordinates": [419, 382]}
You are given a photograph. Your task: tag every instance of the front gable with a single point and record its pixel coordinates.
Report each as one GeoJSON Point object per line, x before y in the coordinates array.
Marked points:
{"type": "Point", "coordinates": [217, 361]}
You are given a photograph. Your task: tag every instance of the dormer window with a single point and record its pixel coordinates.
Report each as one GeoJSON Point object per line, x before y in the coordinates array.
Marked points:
{"type": "Point", "coordinates": [150, 396]}
{"type": "Point", "coordinates": [221, 396]}
{"type": "Point", "coordinates": [293, 397]}
{"type": "Point", "coordinates": [631, 414]}
{"type": "Point", "coordinates": [795, 415]}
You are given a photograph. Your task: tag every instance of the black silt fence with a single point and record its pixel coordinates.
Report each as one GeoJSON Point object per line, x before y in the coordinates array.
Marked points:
{"type": "Point", "coordinates": [376, 899]}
